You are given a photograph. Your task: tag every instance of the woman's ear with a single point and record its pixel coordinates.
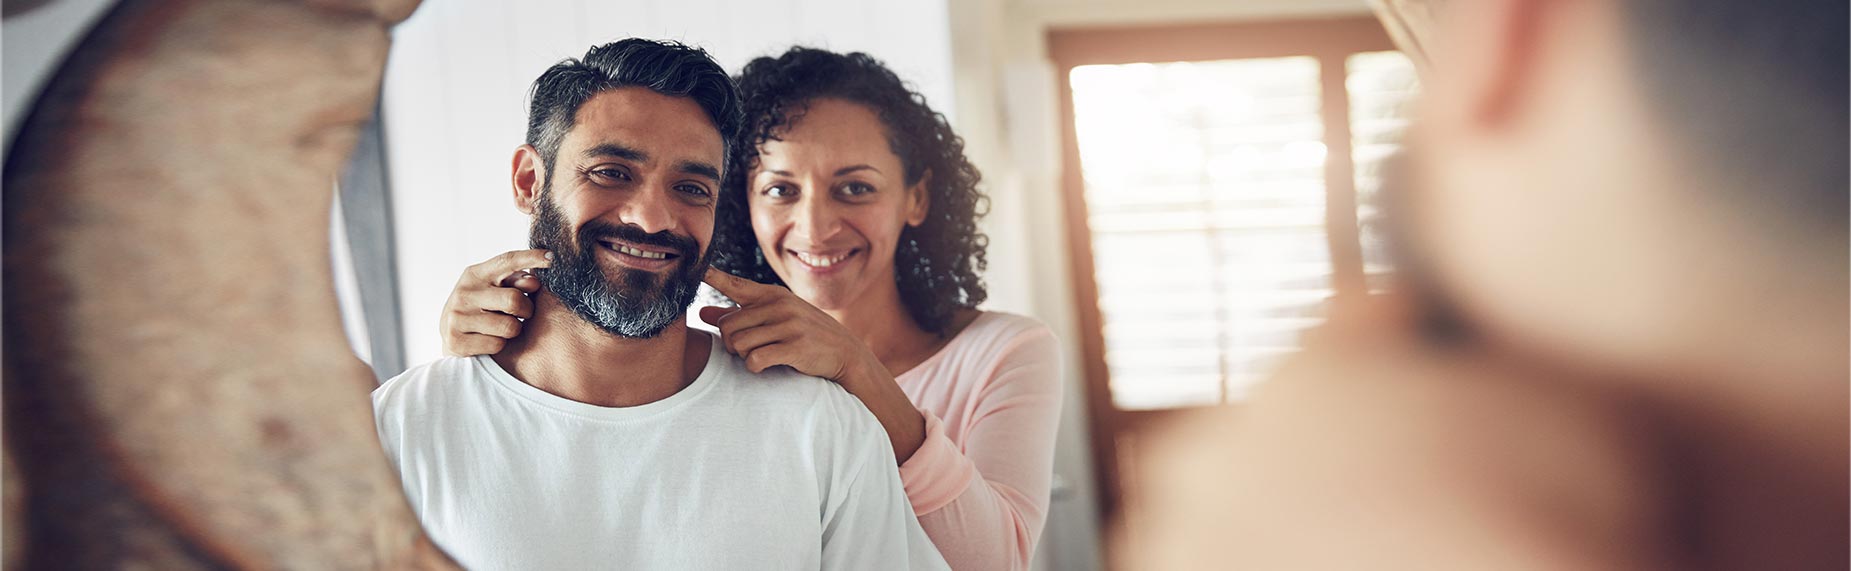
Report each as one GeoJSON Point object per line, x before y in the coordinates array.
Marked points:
{"type": "Point", "coordinates": [527, 179]}
{"type": "Point", "coordinates": [919, 200]}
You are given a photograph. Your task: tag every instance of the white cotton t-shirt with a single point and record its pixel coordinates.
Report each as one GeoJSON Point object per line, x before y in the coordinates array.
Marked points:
{"type": "Point", "coordinates": [736, 471]}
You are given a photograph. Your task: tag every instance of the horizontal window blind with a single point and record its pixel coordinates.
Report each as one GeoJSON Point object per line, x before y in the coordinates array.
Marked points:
{"type": "Point", "coordinates": [1205, 196]}
{"type": "Point", "coordinates": [1382, 86]}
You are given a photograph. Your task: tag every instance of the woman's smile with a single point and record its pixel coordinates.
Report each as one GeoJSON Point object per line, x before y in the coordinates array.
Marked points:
{"type": "Point", "coordinates": [821, 262]}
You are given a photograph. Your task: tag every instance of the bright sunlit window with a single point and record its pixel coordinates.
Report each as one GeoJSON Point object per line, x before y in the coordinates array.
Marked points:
{"type": "Point", "coordinates": [1205, 192]}
{"type": "Point", "coordinates": [1382, 86]}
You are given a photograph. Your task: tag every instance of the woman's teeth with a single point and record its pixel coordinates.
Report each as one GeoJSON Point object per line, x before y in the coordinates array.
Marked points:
{"type": "Point", "coordinates": [641, 253]}
{"type": "Point", "coordinates": [820, 261]}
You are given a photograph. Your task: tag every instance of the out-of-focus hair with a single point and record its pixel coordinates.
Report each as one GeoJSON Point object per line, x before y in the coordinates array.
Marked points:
{"type": "Point", "coordinates": [1755, 92]}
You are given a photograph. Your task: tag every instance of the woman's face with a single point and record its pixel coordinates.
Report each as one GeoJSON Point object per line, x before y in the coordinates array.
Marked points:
{"type": "Point", "coordinates": [828, 202]}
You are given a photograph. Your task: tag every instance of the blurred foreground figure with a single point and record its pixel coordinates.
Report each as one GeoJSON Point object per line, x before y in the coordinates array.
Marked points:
{"type": "Point", "coordinates": [179, 392]}
{"type": "Point", "coordinates": [1621, 336]}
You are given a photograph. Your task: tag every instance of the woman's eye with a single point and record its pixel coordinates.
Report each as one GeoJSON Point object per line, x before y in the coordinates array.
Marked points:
{"type": "Point", "coordinates": [857, 188]}
{"type": "Point", "coordinates": [780, 191]}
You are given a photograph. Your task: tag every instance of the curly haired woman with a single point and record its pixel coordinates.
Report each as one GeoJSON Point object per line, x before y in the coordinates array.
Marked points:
{"type": "Point", "coordinates": [849, 192]}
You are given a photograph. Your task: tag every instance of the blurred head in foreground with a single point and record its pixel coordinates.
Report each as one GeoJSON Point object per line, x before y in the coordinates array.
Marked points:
{"type": "Point", "coordinates": [1654, 187]}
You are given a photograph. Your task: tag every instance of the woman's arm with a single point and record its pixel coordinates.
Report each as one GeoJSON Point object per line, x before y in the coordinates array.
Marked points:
{"type": "Point", "coordinates": [875, 386]}
{"type": "Point", "coordinates": [984, 503]}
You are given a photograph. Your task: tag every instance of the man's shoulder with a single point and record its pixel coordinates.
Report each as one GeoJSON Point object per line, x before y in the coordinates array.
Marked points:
{"type": "Point", "coordinates": [781, 385]}
{"type": "Point", "coordinates": [787, 393]}
{"type": "Point", "coordinates": [420, 384]}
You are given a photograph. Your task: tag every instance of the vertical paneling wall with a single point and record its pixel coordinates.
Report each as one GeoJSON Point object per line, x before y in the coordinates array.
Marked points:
{"type": "Point", "coordinates": [455, 103]}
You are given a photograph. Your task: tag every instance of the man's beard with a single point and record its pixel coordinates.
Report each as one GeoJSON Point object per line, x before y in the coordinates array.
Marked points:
{"type": "Point", "coordinates": [624, 302]}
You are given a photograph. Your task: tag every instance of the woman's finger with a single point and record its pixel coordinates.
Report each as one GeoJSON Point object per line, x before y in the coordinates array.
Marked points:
{"type": "Point", "coordinates": [712, 314]}
{"type": "Point", "coordinates": [743, 342]}
{"type": "Point", "coordinates": [499, 299]}
{"type": "Point", "coordinates": [745, 292]}
{"type": "Point", "coordinates": [748, 317]}
{"type": "Point", "coordinates": [472, 344]}
{"type": "Point", "coordinates": [498, 268]}
{"type": "Point", "coordinates": [524, 281]}
{"type": "Point", "coordinates": [767, 357]}
{"type": "Point", "coordinates": [493, 324]}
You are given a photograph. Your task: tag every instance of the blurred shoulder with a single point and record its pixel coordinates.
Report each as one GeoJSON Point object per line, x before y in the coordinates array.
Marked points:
{"type": "Point", "coordinates": [1486, 462]}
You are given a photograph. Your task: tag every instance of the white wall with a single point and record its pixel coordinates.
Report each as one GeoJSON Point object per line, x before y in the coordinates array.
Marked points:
{"type": "Point", "coordinates": [455, 103]}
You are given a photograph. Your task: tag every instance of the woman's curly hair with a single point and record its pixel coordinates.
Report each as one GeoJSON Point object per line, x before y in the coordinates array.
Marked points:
{"type": "Point", "coordinates": [937, 265]}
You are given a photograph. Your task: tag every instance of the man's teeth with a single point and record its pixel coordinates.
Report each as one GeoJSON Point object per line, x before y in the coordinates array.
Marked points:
{"type": "Point", "coordinates": [820, 261]}
{"type": "Point", "coordinates": [641, 253]}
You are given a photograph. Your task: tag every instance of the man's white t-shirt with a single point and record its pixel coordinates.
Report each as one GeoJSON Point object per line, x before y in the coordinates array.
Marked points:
{"type": "Point", "coordinates": [736, 471]}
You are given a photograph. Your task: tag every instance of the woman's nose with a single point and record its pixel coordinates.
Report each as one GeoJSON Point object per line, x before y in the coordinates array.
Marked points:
{"type": "Point", "coordinates": [816, 218]}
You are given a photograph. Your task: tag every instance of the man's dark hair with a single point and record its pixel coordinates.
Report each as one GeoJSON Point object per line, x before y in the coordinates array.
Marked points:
{"type": "Point", "coordinates": [937, 265]}
{"type": "Point", "coordinates": [1758, 91]}
{"type": "Point", "coordinates": [668, 68]}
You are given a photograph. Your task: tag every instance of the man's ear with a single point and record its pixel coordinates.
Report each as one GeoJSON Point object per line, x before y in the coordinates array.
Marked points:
{"type": "Point", "coordinates": [919, 200]}
{"type": "Point", "coordinates": [528, 178]}
{"type": "Point", "coordinates": [1492, 57]}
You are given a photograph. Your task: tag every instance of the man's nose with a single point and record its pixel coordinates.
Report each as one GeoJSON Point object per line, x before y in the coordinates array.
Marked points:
{"type": "Point", "coordinates": [650, 211]}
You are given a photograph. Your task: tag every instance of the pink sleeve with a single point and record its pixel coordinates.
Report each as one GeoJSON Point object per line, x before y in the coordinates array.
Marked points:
{"type": "Point", "coordinates": [984, 505]}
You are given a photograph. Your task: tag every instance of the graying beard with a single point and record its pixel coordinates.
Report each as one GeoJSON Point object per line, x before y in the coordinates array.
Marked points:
{"type": "Point", "coordinates": [647, 323]}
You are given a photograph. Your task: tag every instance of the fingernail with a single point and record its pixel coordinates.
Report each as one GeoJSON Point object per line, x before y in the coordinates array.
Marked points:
{"type": "Point", "coordinates": [549, 256]}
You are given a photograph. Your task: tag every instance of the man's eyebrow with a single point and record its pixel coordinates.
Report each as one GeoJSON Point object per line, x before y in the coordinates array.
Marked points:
{"type": "Point", "coordinates": [614, 150]}
{"type": "Point", "coordinates": [698, 168]}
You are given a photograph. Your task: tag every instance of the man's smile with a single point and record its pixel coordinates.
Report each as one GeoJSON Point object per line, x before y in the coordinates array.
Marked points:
{"type": "Point", "coordinates": [640, 256]}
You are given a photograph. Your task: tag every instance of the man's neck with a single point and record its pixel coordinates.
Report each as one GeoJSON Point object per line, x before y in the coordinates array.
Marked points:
{"type": "Point", "coordinates": [1760, 425]}
{"type": "Point", "coordinates": [562, 354]}
{"type": "Point", "coordinates": [1775, 365]}
{"type": "Point", "coordinates": [1761, 462]}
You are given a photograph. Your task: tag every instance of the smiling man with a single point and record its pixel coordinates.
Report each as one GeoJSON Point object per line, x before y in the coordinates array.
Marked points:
{"type": "Point", "coordinates": [544, 456]}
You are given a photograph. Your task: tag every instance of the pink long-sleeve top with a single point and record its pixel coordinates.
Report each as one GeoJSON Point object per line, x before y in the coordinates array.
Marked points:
{"type": "Point", "coordinates": [980, 481]}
